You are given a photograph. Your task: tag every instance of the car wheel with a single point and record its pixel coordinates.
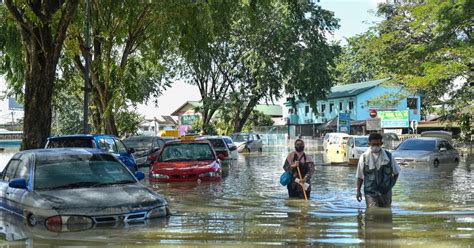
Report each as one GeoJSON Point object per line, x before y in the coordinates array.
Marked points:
{"type": "Point", "coordinates": [436, 163]}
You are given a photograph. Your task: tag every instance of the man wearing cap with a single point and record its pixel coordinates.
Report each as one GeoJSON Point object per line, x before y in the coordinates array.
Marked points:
{"type": "Point", "coordinates": [378, 171]}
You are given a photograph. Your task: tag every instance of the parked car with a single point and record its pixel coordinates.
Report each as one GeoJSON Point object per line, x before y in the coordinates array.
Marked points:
{"type": "Point", "coordinates": [390, 141]}
{"type": "Point", "coordinates": [336, 148]}
{"type": "Point", "coordinates": [144, 146]}
{"type": "Point", "coordinates": [186, 160]}
{"type": "Point", "coordinates": [75, 186]}
{"type": "Point", "coordinates": [329, 137]}
{"type": "Point", "coordinates": [439, 134]}
{"type": "Point", "coordinates": [247, 142]}
{"type": "Point", "coordinates": [356, 146]}
{"type": "Point", "coordinates": [220, 145]}
{"type": "Point", "coordinates": [104, 142]}
{"type": "Point", "coordinates": [430, 151]}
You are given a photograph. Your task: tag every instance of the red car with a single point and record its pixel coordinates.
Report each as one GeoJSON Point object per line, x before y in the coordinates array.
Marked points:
{"type": "Point", "coordinates": [186, 160]}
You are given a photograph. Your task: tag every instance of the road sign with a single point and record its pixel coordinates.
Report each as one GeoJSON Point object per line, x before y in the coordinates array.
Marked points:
{"type": "Point", "coordinates": [373, 124]}
{"type": "Point", "coordinates": [344, 122]}
{"type": "Point", "coordinates": [394, 119]}
{"type": "Point", "coordinates": [373, 113]}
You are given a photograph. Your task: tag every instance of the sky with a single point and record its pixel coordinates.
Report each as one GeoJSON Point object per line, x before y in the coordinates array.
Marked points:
{"type": "Point", "coordinates": [354, 19]}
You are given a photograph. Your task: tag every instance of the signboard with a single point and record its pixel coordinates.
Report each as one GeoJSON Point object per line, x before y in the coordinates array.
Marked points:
{"type": "Point", "coordinates": [395, 131]}
{"type": "Point", "coordinates": [373, 124]}
{"type": "Point", "coordinates": [188, 119]}
{"type": "Point", "coordinates": [373, 113]}
{"type": "Point", "coordinates": [344, 122]}
{"type": "Point", "coordinates": [394, 119]}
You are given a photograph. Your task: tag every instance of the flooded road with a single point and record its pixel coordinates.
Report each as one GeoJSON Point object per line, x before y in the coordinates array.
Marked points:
{"type": "Point", "coordinates": [431, 206]}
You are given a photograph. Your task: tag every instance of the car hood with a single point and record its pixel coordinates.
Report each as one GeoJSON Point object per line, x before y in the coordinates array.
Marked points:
{"type": "Point", "coordinates": [239, 143]}
{"type": "Point", "coordinates": [122, 198]}
{"type": "Point", "coordinates": [411, 153]}
{"type": "Point", "coordinates": [185, 167]}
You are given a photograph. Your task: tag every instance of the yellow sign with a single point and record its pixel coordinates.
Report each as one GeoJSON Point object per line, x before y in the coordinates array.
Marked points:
{"type": "Point", "coordinates": [187, 138]}
{"type": "Point", "coordinates": [169, 133]}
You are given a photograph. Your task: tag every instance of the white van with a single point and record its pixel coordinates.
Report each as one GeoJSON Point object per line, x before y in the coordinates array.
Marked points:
{"type": "Point", "coordinates": [335, 147]}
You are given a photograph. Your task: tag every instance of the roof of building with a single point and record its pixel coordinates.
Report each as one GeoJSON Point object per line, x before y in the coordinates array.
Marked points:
{"type": "Point", "coordinates": [353, 89]}
{"type": "Point", "coordinates": [267, 109]}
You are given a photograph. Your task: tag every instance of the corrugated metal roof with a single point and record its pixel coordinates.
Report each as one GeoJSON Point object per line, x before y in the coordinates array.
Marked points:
{"type": "Point", "coordinates": [271, 110]}
{"type": "Point", "coordinates": [353, 89]}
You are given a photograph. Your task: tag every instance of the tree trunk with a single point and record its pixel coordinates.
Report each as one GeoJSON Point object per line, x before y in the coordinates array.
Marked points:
{"type": "Point", "coordinates": [38, 93]}
{"type": "Point", "coordinates": [245, 115]}
{"type": "Point", "coordinates": [109, 124]}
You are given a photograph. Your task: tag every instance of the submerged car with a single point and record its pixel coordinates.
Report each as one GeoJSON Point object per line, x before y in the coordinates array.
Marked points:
{"type": "Point", "coordinates": [61, 188]}
{"type": "Point", "coordinates": [186, 160]}
{"type": "Point", "coordinates": [247, 142]}
{"type": "Point", "coordinates": [144, 147]}
{"type": "Point", "coordinates": [356, 146]}
{"type": "Point", "coordinates": [103, 142]}
{"type": "Point", "coordinates": [428, 151]}
{"type": "Point", "coordinates": [223, 145]}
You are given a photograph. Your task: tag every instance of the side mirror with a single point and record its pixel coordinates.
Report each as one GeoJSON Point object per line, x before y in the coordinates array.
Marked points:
{"type": "Point", "coordinates": [221, 156]}
{"type": "Point", "coordinates": [443, 149]}
{"type": "Point", "coordinates": [17, 183]}
{"type": "Point", "coordinates": [152, 158]}
{"type": "Point", "coordinates": [131, 150]}
{"type": "Point", "coordinates": [139, 175]}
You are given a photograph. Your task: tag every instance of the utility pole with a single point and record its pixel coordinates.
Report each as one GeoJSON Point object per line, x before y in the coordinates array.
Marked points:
{"type": "Point", "coordinates": [13, 122]}
{"type": "Point", "coordinates": [86, 70]}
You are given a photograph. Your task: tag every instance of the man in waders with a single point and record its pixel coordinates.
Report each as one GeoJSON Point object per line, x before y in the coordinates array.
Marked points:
{"type": "Point", "coordinates": [295, 160]}
{"type": "Point", "coordinates": [378, 171]}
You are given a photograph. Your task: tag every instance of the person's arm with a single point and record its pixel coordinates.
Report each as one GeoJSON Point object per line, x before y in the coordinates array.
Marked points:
{"type": "Point", "coordinates": [286, 166]}
{"type": "Point", "coordinates": [396, 170]}
{"type": "Point", "coordinates": [307, 177]}
{"type": "Point", "coordinates": [359, 186]}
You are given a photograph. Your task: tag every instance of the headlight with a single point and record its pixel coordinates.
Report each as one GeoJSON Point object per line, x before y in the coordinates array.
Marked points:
{"type": "Point", "coordinates": [158, 212]}
{"type": "Point", "coordinates": [159, 176]}
{"type": "Point", "coordinates": [209, 174]}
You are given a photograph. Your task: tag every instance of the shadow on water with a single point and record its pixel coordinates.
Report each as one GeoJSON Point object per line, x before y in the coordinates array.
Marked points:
{"type": "Point", "coordinates": [431, 206]}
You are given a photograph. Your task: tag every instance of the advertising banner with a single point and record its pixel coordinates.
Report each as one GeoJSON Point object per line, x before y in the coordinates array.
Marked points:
{"type": "Point", "coordinates": [394, 119]}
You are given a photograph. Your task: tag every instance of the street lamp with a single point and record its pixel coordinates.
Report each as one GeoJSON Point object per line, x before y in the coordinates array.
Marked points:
{"type": "Point", "coordinates": [86, 70]}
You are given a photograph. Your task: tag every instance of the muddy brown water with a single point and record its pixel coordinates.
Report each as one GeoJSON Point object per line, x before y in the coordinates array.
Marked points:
{"type": "Point", "coordinates": [431, 207]}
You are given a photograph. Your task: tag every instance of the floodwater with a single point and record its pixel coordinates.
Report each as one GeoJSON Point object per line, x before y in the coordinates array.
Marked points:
{"type": "Point", "coordinates": [431, 207]}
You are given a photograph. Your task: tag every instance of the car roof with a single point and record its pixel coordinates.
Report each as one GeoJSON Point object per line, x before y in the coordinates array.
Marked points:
{"type": "Point", "coordinates": [200, 141]}
{"type": "Point", "coordinates": [62, 151]}
{"type": "Point", "coordinates": [428, 138]}
{"type": "Point", "coordinates": [81, 136]}
{"type": "Point", "coordinates": [245, 133]}
{"type": "Point", "coordinates": [359, 136]}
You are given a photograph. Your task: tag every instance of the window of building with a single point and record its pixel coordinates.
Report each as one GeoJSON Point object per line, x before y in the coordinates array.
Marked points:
{"type": "Point", "coordinates": [351, 105]}
{"type": "Point", "coordinates": [340, 106]}
{"type": "Point", "coordinates": [331, 107]}
{"type": "Point", "coordinates": [323, 108]}
{"type": "Point", "coordinates": [306, 110]}
{"type": "Point", "coordinates": [290, 111]}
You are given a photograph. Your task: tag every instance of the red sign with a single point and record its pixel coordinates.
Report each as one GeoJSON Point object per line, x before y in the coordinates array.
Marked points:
{"type": "Point", "coordinates": [373, 113]}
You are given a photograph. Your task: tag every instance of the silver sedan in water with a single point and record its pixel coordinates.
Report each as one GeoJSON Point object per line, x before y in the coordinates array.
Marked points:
{"type": "Point", "coordinates": [427, 151]}
{"type": "Point", "coordinates": [61, 188]}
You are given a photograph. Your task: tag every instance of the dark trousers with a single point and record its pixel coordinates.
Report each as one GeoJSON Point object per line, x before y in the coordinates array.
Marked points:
{"type": "Point", "coordinates": [295, 190]}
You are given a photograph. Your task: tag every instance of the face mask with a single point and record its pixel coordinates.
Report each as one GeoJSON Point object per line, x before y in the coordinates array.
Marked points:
{"type": "Point", "coordinates": [375, 149]}
{"type": "Point", "coordinates": [299, 148]}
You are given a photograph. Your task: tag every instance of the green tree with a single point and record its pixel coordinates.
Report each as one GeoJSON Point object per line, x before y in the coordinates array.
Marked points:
{"type": "Point", "coordinates": [257, 119]}
{"type": "Point", "coordinates": [42, 27]}
{"type": "Point", "coordinates": [428, 45]}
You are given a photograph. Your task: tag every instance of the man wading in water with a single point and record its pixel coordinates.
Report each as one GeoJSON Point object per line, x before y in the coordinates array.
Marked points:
{"type": "Point", "coordinates": [378, 170]}
{"type": "Point", "coordinates": [306, 165]}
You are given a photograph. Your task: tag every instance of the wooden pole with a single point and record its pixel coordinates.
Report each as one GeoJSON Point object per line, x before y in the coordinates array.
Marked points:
{"type": "Point", "coordinates": [302, 183]}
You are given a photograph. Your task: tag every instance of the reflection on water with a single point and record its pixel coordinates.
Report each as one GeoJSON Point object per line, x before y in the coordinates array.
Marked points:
{"type": "Point", "coordinates": [431, 206]}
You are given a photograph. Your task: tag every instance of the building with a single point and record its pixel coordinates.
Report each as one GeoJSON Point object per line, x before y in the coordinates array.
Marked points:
{"type": "Point", "coordinates": [155, 125]}
{"type": "Point", "coordinates": [187, 115]}
{"type": "Point", "coordinates": [358, 100]}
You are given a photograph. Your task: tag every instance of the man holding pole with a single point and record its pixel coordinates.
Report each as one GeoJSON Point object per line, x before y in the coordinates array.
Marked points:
{"type": "Point", "coordinates": [301, 168]}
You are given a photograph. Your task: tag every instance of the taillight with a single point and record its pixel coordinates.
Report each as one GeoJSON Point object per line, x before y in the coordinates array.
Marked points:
{"type": "Point", "coordinates": [54, 223]}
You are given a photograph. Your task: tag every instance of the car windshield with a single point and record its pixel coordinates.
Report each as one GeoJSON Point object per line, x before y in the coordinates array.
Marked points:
{"type": "Point", "coordinates": [217, 143]}
{"type": "Point", "coordinates": [240, 137]}
{"type": "Point", "coordinates": [79, 171]}
{"type": "Point", "coordinates": [138, 142]}
{"type": "Point", "coordinates": [70, 142]}
{"type": "Point", "coordinates": [187, 152]}
{"type": "Point", "coordinates": [362, 142]}
{"type": "Point", "coordinates": [228, 141]}
{"type": "Point", "coordinates": [418, 144]}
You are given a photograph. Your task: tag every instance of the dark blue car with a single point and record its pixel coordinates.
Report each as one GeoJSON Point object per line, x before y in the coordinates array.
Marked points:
{"type": "Point", "coordinates": [103, 142]}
